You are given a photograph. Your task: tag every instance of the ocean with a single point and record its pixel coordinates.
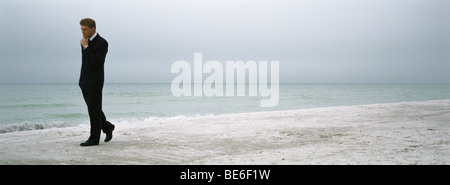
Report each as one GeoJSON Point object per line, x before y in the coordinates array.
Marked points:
{"type": "Point", "coordinates": [41, 106]}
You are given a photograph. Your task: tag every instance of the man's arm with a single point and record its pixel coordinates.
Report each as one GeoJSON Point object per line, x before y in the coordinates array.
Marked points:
{"type": "Point", "coordinates": [97, 57]}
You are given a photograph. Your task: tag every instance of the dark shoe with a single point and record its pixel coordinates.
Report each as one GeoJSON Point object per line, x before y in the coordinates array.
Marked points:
{"type": "Point", "coordinates": [109, 133]}
{"type": "Point", "coordinates": [89, 143]}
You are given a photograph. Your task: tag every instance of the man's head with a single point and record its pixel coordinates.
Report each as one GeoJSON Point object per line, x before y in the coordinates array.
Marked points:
{"type": "Point", "coordinates": [87, 27]}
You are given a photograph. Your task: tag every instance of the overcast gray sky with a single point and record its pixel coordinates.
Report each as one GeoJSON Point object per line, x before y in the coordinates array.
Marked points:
{"type": "Point", "coordinates": [326, 41]}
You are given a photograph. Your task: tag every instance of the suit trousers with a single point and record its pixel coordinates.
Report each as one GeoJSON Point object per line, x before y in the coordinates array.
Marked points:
{"type": "Point", "coordinates": [97, 118]}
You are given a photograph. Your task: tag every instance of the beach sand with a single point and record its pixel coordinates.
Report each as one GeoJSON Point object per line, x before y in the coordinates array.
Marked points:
{"type": "Point", "coordinates": [395, 133]}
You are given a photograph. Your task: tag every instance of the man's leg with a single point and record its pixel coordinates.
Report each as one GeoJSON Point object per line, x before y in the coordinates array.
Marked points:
{"type": "Point", "coordinates": [94, 104]}
{"type": "Point", "coordinates": [107, 128]}
{"type": "Point", "coordinates": [106, 125]}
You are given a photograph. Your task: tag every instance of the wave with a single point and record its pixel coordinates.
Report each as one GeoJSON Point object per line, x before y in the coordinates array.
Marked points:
{"type": "Point", "coordinates": [65, 116]}
{"type": "Point", "coordinates": [27, 126]}
{"type": "Point", "coordinates": [37, 105]}
{"type": "Point", "coordinates": [31, 126]}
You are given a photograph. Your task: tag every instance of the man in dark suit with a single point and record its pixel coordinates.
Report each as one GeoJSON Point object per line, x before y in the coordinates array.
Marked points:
{"type": "Point", "coordinates": [93, 49]}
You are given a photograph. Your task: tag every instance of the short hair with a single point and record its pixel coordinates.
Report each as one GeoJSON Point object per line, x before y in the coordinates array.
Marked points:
{"type": "Point", "coordinates": [88, 22]}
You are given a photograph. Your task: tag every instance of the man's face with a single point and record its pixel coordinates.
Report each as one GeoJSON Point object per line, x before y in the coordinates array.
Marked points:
{"type": "Point", "coordinates": [87, 32]}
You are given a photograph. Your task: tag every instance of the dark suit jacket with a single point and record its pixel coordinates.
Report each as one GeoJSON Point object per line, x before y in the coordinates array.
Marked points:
{"type": "Point", "coordinates": [92, 67]}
